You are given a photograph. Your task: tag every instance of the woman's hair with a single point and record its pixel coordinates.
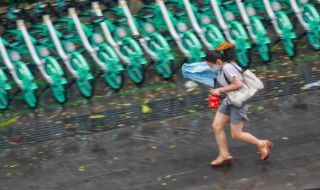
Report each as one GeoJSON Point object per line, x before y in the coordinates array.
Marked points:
{"type": "Point", "coordinates": [228, 54]}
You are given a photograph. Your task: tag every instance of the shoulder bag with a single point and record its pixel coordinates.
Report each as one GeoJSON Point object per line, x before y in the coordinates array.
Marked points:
{"type": "Point", "coordinates": [250, 85]}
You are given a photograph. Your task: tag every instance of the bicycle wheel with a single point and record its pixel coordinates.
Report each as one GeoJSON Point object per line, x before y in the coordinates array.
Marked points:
{"type": "Point", "coordinates": [30, 98]}
{"type": "Point", "coordinates": [4, 99]}
{"type": "Point", "coordinates": [264, 52]}
{"type": "Point", "coordinates": [289, 46]}
{"type": "Point", "coordinates": [81, 66]}
{"type": "Point", "coordinates": [27, 78]}
{"type": "Point", "coordinates": [136, 73]}
{"type": "Point", "coordinates": [314, 39]}
{"type": "Point", "coordinates": [113, 77]}
{"type": "Point", "coordinates": [54, 70]}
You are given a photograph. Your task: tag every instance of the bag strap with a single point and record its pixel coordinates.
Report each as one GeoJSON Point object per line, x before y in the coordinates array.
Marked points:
{"type": "Point", "coordinates": [235, 68]}
{"type": "Point", "coordinates": [240, 71]}
{"type": "Point", "coordinates": [226, 78]}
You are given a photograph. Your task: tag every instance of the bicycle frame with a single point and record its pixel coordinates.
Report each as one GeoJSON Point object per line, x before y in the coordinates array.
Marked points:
{"type": "Point", "coordinates": [20, 73]}
{"type": "Point", "coordinates": [154, 44]}
{"type": "Point", "coordinates": [235, 34]}
{"type": "Point", "coordinates": [282, 26]}
{"type": "Point", "coordinates": [123, 9]}
{"type": "Point", "coordinates": [309, 18]}
{"type": "Point", "coordinates": [126, 46]}
{"type": "Point", "coordinates": [102, 54]}
{"type": "Point", "coordinates": [4, 89]}
{"type": "Point", "coordinates": [107, 34]}
{"type": "Point", "coordinates": [48, 66]}
{"type": "Point", "coordinates": [255, 28]}
{"type": "Point", "coordinates": [186, 40]}
{"type": "Point", "coordinates": [73, 59]}
{"type": "Point", "coordinates": [209, 34]}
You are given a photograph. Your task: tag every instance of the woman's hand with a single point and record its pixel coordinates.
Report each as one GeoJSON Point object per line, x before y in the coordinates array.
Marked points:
{"type": "Point", "coordinates": [235, 85]}
{"type": "Point", "coordinates": [216, 91]}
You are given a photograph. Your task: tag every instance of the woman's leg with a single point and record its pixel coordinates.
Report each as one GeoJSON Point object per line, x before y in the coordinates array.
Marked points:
{"type": "Point", "coordinates": [237, 133]}
{"type": "Point", "coordinates": [263, 145]}
{"type": "Point", "coordinates": [218, 126]}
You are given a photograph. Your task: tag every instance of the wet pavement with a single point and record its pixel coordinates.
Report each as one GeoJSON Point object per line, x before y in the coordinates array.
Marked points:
{"type": "Point", "coordinates": [158, 135]}
{"type": "Point", "coordinates": [175, 153]}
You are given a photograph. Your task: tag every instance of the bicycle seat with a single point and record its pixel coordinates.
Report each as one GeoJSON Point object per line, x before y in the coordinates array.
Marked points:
{"type": "Point", "coordinates": [120, 19]}
{"type": "Point", "coordinates": [227, 2]}
{"type": "Point", "coordinates": [40, 38]}
{"type": "Point", "coordinates": [180, 12]}
{"type": "Point", "coordinates": [43, 39]}
{"type": "Point", "coordinates": [97, 19]}
{"type": "Point", "coordinates": [203, 8]}
{"type": "Point", "coordinates": [147, 15]}
{"type": "Point", "coordinates": [68, 34]}
{"type": "Point", "coordinates": [238, 18]}
{"type": "Point", "coordinates": [136, 37]}
{"type": "Point", "coordinates": [13, 43]}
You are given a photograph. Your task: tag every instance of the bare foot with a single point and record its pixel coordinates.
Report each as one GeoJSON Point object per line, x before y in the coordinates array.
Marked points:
{"type": "Point", "coordinates": [222, 160]}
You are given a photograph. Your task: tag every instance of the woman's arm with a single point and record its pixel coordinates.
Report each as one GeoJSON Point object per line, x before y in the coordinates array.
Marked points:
{"type": "Point", "coordinates": [235, 85]}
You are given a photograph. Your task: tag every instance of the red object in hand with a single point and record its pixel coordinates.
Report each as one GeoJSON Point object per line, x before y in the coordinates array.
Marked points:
{"type": "Point", "coordinates": [214, 101]}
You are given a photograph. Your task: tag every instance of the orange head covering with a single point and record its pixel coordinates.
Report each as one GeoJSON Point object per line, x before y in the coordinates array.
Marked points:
{"type": "Point", "coordinates": [224, 46]}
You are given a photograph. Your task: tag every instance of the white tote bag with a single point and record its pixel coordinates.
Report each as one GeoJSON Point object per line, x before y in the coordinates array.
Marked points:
{"type": "Point", "coordinates": [250, 85]}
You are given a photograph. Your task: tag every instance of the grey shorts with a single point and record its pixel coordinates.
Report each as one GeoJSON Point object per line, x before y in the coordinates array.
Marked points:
{"type": "Point", "coordinates": [236, 114]}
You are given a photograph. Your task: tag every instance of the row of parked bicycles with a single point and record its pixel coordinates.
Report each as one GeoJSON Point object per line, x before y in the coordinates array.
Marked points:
{"type": "Point", "coordinates": [79, 37]}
